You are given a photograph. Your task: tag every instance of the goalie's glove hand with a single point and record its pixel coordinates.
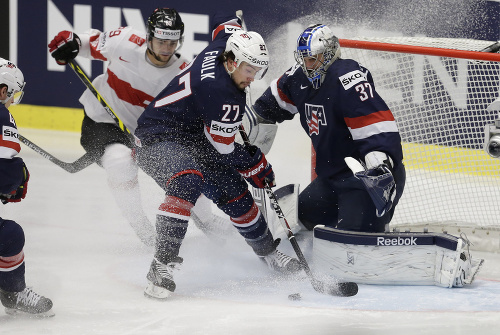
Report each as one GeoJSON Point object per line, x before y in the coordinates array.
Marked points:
{"type": "Point", "coordinates": [378, 181]}
{"type": "Point", "coordinates": [261, 172]}
{"type": "Point", "coordinates": [20, 193]}
{"type": "Point", "coordinates": [65, 47]}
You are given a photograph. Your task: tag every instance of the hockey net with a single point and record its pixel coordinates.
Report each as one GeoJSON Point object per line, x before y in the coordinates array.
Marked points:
{"type": "Point", "coordinates": [439, 91]}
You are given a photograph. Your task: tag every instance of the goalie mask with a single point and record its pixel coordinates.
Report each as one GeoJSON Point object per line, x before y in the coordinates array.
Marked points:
{"type": "Point", "coordinates": [249, 46]}
{"type": "Point", "coordinates": [319, 43]}
{"type": "Point", "coordinates": [11, 76]}
{"type": "Point", "coordinates": [166, 24]}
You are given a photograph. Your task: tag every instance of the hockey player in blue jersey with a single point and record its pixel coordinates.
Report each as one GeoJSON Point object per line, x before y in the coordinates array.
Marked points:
{"type": "Point", "coordinates": [186, 143]}
{"type": "Point", "coordinates": [345, 117]}
{"type": "Point", "coordinates": [14, 177]}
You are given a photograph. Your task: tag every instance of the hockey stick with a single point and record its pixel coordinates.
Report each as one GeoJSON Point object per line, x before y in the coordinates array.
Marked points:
{"type": "Point", "coordinates": [87, 159]}
{"type": "Point", "coordinates": [78, 165]}
{"type": "Point", "coordinates": [495, 47]}
{"type": "Point", "coordinates": [86, 81]}
{"type": "Point", "coordinates": [258, 194]}
{"type": "Point", "coordinates": [345, 289]}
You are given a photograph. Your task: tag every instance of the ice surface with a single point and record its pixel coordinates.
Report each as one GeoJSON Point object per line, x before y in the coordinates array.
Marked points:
{"type": "Point", "coordinates": [85, 257]}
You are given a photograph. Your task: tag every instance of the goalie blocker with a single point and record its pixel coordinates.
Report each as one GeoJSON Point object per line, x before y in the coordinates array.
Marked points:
{"type": "Point", "coordinates": [394, 258]}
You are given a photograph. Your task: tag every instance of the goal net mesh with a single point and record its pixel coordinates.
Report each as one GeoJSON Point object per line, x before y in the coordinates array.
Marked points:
{"type": "Point", "coordinates": [440, 106]}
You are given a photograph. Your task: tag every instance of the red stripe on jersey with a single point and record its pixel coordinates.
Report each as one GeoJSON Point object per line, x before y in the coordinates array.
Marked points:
{"type": "Point", "coordinates": [221, 139]}
{"type": "Point", "coordinates": [126, 92]}
{"type": "Point", "coordinates": [248, 217]}
{"type": "Point", "coordinates": [282, 94]}
{"type": "Point", "coordinates": [366, 120]}
{"type": "Point", "coordinates": [176, 205]}
{"type": "Point", "coordinates": [12, 262]}
{"type": "Point", "coordinates": [93, 48]}
{"type": "Point", "coordinates": [238, 197]}
{"type": "Point", "coordinates": [196, 172]}
{"type": "Point", "coordinates": [9, 144]}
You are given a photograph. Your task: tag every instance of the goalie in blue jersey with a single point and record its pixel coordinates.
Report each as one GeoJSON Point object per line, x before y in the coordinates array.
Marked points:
{"type": "Point", "coordinates": [351, 129]}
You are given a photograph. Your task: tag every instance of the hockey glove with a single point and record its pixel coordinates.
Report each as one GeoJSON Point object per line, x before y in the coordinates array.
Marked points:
{"type": "Point", "coordinates": [261, 172]}
{"type": "Point", "coordinates": [20, 193]}
{"type": "Point", "coordinates": [378, 181]}
{"type": "Point", "coordinates": [261, 132]}
{"type": "Point", "coordinates": [65, 47]}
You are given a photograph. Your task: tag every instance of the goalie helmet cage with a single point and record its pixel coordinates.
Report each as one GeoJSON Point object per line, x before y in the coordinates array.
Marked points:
{"type": "Point", "coordinates": [438, 90]}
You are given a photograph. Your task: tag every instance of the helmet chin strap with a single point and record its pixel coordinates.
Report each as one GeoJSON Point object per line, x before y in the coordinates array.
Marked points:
{"type": "Point", "coordinates": [227, 70]}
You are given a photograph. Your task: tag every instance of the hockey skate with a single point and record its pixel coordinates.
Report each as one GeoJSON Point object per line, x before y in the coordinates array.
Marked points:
{"type": "Point", "coordinates": [281, 263]}
{"type": "Point", "coordinates": [160, 278]}
{"type": "Point", "coordinates": [26, 302]}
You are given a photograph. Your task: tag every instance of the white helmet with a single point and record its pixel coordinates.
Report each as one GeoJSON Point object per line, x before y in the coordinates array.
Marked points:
{"type": "Point", "coordinates": [317, 39]}
{"type": "Point", "coordinates": [250, 47]}
{"type": "Point", "coordinates": [11, 76]}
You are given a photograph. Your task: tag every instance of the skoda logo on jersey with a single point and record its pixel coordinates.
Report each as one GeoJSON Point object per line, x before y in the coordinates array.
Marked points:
{"type": "Point", "coordinates": [315, 116]}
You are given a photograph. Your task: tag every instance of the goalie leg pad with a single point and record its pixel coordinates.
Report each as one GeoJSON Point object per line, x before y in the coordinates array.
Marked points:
{"type": "Point", "coordinates": [392, 258]}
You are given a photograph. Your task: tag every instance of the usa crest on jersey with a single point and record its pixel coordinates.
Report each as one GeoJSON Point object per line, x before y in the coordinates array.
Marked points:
{"type": "Point", "coordinates": [315, 116]}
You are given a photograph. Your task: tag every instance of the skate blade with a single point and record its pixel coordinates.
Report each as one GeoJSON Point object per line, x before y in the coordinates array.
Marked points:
{"type": "Point", "coordinates": [156, 292]}
{"type": "Point", "coordinates": [19, 313]}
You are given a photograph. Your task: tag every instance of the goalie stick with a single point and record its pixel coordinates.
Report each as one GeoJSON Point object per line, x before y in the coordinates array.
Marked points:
{"type": "Point", "coordinates": [78, 165]}
{"type": "Point", "coordinates": [344, 289]}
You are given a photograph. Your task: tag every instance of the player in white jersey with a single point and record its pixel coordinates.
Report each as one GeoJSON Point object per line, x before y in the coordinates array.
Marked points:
{"type": "Point", "coordinates": [139, 68]}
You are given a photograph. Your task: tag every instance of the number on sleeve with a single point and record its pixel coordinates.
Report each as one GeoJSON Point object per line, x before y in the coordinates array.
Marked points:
{"type": "Point", "coordinates": [362, 90]}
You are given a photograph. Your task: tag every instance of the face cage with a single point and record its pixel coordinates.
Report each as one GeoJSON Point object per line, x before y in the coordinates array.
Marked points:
{"type": "Point", "coordinates": [317, 75]}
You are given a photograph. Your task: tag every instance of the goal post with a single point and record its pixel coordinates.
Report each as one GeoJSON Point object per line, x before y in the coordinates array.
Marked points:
{"type": "Point", "coordinates": [438, 90]}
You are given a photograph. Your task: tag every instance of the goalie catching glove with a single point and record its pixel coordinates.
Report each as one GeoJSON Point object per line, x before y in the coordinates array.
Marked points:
{"type": "Point", "coordinates": [261, 172]}
{"type": "Point", "coordinates": [65, 47]}
{"type": "Point", "coordinates": [377, 179]}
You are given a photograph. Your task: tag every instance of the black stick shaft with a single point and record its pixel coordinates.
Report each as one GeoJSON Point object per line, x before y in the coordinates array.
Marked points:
{"type": "Point", "coordinates": [73, 167]}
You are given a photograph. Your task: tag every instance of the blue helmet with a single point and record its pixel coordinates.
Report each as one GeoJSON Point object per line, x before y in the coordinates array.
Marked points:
{"type": "Point", "coordinates": [317, 40]}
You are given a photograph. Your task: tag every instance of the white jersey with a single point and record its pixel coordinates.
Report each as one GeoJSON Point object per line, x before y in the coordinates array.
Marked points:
{"type": "Point", "coordinates": [130, 82]}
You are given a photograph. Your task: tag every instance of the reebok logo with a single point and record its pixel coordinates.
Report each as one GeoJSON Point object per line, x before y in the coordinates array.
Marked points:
{"type": "Point", "coordinates": [397, 241]}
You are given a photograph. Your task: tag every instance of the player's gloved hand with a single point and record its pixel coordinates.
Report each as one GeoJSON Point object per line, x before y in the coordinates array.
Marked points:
{"type": "Point", "coordinates": [377, 178]}
{"type": "Point", "coordinates": [65, 47]}
{"type": "Point", "coordinates": [20, 193]}
{"type": "Point", "coordinates": [261, 172]}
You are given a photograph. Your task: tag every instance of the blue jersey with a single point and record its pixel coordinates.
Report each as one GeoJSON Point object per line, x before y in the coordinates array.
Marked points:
{"type": "Point", "coordinates": [344, 117]}
{"type": "Point", "coordinates": [201, 106]}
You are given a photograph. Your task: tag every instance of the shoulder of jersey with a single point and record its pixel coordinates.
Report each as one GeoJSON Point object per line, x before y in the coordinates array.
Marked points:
{"type": "Point", "coordinates": [347, 72]}
{"type": "Point", "coordinates": [130, 38]}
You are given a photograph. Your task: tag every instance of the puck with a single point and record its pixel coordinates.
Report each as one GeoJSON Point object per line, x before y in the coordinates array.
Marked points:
{"type": "Point", "coordinates": [295, 296]}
